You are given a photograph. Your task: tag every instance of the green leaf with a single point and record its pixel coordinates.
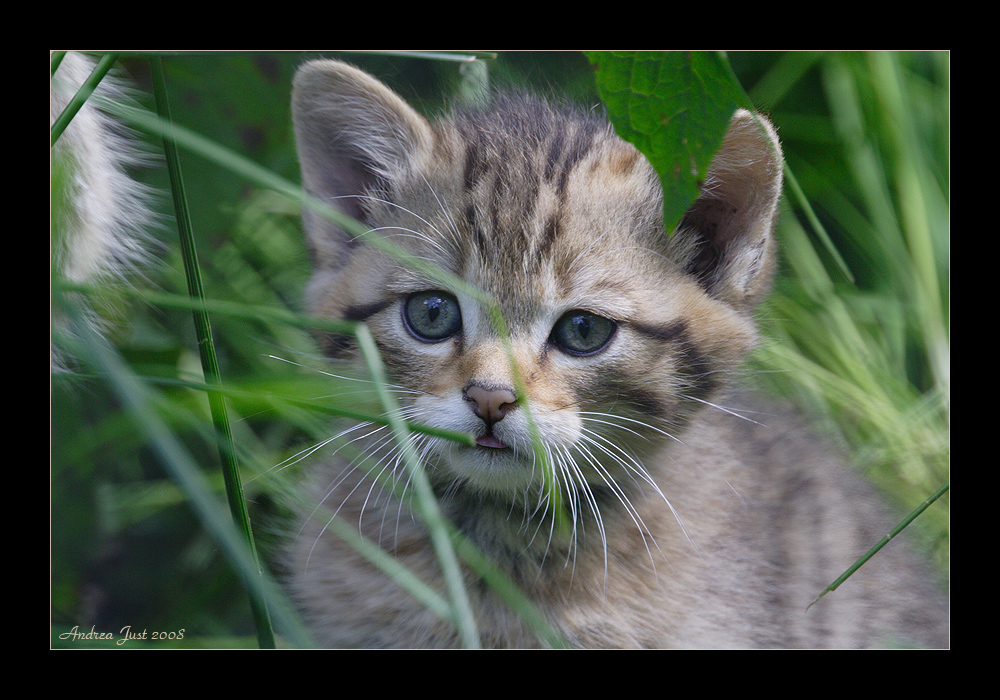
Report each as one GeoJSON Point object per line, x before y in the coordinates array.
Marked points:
{"type": "Point", "coordinates": [674, 107]}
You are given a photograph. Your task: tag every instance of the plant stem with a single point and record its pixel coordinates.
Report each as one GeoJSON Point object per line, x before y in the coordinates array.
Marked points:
{"type": "Point", "coordinates": [209, 361]}
{"type": "Point", "coordinates": [881, 543]}
{"type": "Point", "coordinates": [85, 91]}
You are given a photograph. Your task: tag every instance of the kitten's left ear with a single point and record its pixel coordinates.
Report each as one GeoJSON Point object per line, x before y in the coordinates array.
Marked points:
{"type": "Point", "coordinates": [726, 238]}
{"type": "Point", "coordinates": [355, 138]}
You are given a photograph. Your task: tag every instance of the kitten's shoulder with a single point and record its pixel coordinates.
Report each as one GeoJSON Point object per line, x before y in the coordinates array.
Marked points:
{"type": "Point", "coordinates": [813, 515]}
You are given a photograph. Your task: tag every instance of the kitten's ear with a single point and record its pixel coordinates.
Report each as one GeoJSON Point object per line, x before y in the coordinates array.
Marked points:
{"type": "Point", "coordinates": [355, 137]}
{"type": "Point", "coordinates": [725, 239]}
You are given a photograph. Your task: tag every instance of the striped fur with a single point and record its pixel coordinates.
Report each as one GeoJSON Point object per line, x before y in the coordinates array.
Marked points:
{"type": "Point", "coordinates": [681, 529]}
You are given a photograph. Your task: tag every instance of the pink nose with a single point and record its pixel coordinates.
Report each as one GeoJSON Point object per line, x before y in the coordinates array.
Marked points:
{"type": "Point", "coordinates": [490, 404]}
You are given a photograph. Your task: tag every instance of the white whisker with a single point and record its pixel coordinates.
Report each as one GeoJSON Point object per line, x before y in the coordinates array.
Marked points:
{"type": "Point", "coordinates": [724, 410]}
{"type": "Point", "coordinates": [631, 464]}
{"type": "Point", "coordinates": [616, 419]}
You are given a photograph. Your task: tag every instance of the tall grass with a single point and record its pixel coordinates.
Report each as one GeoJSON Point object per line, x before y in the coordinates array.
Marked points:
{"type": "Point", "coordinates": [863, 134]}
{"type": "Point", "coordinates": [869, 352]}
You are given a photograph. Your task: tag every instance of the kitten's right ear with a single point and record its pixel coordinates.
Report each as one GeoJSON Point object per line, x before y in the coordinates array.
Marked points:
{"type": "Point", "coordinates": [726, 240]}
{"type": "Point", "coordinates": [355, 137]}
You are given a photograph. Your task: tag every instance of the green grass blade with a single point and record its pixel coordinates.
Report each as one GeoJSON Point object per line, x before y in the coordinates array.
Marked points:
{"type": "Point", "coordinates": [881, 543]}
{"type": "Point", "coordinates": [81, 96]}
{"type": "Point", "coordinates": [427, 503]}
{"type": "Point", "coordinates": [186, 473]}
{"type": "Point", "coordinates": [209, 361]}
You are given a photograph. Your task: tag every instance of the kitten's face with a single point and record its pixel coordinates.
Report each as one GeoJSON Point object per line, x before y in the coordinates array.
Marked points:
{"type": "Point", "coordinates": [615, 336]}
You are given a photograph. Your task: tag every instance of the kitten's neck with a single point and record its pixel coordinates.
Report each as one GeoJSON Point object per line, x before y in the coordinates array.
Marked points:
{"type": "Point", "coordinates": [529, 539]}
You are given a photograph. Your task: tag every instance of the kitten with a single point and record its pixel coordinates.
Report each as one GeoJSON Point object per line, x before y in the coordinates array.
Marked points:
{"type": "Point", "coordinates": [689, 516]}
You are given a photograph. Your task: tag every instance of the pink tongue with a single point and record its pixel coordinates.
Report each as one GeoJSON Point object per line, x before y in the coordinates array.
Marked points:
{"type": "Point", "coordinates": [489, 441]}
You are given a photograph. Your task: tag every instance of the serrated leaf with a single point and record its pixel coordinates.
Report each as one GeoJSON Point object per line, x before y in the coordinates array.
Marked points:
{"type": "Point", "coordinates": [674, 107]}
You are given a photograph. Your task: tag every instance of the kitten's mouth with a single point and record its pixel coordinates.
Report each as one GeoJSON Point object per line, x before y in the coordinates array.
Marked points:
{"type": "Point", "coordinates": [490, 440]}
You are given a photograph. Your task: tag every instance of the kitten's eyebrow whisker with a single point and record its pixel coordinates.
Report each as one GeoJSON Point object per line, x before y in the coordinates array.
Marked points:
{"type": "Point", "coordinates": [412, 213]}
{"type": "Point", "coordinates": [395, 387]}
{"type": "Point", "coordinates": [443, 209]}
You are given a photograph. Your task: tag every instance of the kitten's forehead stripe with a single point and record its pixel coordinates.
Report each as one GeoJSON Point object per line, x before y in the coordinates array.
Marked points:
{"type": "Point", "coordinates": [581, 141]}
{"type": "Point", "coordinates": [517, 164]}
{"type": "Point", "coordinates": [519, 144]}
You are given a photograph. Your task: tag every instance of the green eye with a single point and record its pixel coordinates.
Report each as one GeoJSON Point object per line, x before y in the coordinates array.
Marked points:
{"type": "Point", "coordinates": [432, 316]}
{"type": "Point", "coordinates": [582, 333]}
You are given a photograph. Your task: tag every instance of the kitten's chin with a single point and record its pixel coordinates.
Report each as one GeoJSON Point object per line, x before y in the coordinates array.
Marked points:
{"type": "Point", "coordinates": [491, 467]}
